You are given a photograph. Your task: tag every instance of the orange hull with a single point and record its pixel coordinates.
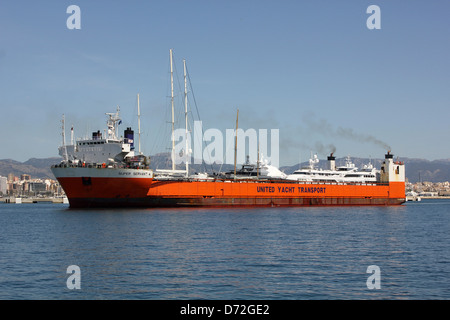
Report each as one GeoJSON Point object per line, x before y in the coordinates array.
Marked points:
{"type": "Point", "coordinates": [279, 193]}
{"type": "Point", "coordinates": [146, 192]}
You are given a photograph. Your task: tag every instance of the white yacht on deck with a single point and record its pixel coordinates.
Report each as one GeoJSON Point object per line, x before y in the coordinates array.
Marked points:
{"type": "Point", "coordinates": [261, 170]}
{"type": "Point", "coordinates": [346, 173]}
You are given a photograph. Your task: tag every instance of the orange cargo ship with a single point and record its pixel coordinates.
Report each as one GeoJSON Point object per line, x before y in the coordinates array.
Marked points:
{"type": "Point", "coordinates": [105, 171]}
{"type": "Point", "coordinates": [99, 186]}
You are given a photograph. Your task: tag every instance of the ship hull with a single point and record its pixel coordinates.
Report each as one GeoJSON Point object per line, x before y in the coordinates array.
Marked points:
{"type": "Point", "coordinates": [229, 202]}
{"type": "Point", "coordinates": [97, 188]}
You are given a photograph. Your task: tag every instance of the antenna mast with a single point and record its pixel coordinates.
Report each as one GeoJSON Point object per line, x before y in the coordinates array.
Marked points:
{"type": "Point", "coordinates": [64, 138]}
{"type": "Point", "coordinates": [63, 133]}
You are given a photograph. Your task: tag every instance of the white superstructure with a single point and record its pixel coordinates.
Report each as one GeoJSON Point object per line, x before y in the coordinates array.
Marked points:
{"type": "Point", "coordinates": [103, 148]}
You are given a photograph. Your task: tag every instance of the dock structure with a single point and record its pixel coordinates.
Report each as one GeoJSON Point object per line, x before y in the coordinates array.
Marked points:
{"type": "Point", "coordinates": [33, 200]}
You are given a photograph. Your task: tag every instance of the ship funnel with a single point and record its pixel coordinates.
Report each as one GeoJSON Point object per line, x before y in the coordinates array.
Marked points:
{"type": "Point", "coordinates": [96, 135]}
{"type": "Point", "coordinates": [388, 155]}
{"type": "Point", "coordinates": [331, 162]}
{"type": "Point", "coordinates": [129, 137]}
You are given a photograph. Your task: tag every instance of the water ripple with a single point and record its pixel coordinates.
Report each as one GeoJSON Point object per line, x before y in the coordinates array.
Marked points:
{"type": "Point", "coordinates": [273, 253]}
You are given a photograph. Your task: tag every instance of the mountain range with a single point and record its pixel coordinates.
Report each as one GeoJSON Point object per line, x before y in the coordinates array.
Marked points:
{"type": "Point", "coordinates": [416, 169]}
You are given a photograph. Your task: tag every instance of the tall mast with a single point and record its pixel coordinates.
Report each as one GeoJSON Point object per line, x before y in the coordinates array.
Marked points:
{"type": "Point", "coordinates": [63, 133]}
{"type": "Point", "coordinates": [235, 143]}
{"type": "Point", "coordinates": [186, 119]}
{"type": "Point", "coordinates": [257, 163]}
{"type": "Point", "coordinates": [173, 115]}
{"type": "Point", "coordinates": [139, 125]}
{"type": "Point", "coordinates": [64, 138]}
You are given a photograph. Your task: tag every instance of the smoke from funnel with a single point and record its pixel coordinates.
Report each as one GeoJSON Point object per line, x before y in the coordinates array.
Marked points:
{"type": "Point", "coordinates": [324, 149]}
{"type": "Point", "coordinates": [349, 134]}
{"type": "Point", "coordinates": [323, 126]}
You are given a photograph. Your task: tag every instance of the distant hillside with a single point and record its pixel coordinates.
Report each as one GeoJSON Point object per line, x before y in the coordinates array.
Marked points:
{"type": "Point", "coordinates": [425, 170]}
{"type": "Point", "coordinates": [37, 168]}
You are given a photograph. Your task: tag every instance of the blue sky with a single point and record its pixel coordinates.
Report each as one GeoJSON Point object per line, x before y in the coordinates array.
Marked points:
{"type": "Point", "coordinates": [311, 69]}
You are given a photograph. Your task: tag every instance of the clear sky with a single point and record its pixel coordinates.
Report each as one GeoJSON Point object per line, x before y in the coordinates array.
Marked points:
{"type": "Point", "coordinates": [311, 69]}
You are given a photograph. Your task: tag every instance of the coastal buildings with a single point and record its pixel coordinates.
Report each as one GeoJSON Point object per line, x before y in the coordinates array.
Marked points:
{"type": "Point", "coordinates": [429, 189]}
{"type": "Point", "coordinates": [26, 186]}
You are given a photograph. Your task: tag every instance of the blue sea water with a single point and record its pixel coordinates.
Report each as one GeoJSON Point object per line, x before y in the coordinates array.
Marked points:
{"type": "Point", "coordinates": [269, 253]}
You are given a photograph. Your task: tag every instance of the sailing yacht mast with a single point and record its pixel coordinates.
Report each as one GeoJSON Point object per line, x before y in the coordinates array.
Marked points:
{"type": "Point", "coordinates": [187, 154]}
{"type": "Point", "coordinates": [235, 143]}
{"type": "Point", "coordinates": [139, 125]}
{"type": "Point", "coordinates": [173, 115]}
{"type": "Point", "coordinates": [257, 163]}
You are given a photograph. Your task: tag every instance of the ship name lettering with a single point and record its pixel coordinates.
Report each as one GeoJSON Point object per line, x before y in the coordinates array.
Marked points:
{"type": "Point", "coordinates": [286, 189]}
{"type": "Point", "coordinates": [265, 189]}
{"type": "Point", "coordinates": [123, 173]}
{"type": "Point", "coordinates": [311, 189]}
